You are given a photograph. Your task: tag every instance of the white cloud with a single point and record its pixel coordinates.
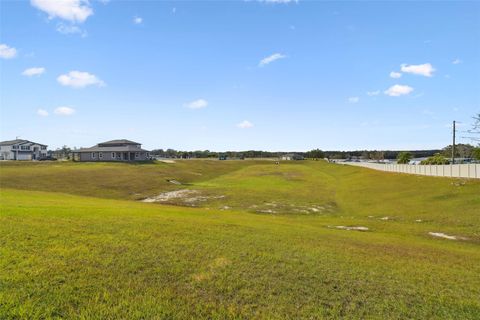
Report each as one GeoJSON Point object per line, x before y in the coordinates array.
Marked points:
{"type": "Point", "coordinates": [197, 104]}
{"type": "Point", "coordinates": [271, 58]}
{"type": "Point", "coordinates": [71, 10]}
{"type": "Point", "coordinates": [425, 69]}
{"type": "Point", "coordinates": [457, 61]}
{"type": "Point", "coordinates": [174, 10]}
{"type": "Point", "coordinates": [137, 20]}
{"type": "Point", "coordinates": [373, 93]}
{"type": "Point", "coordinates": [245, 124]}
{"type": "Point", "coordinates": [35, 71]}
{"type": "Point", "coordinates": [398, 90]}
{"type": "Point", "coordinates": [353, 99]}
{"type": "Point", "coordinates": [7, 52]}
{"type": "Point", "coordinates": [42, 112]}
{"type": "Point", "coordinates": [70, 29]}
{"type": "Point", "coordinates": [78, 79]}
{"type": "Point", "coordinates": [395, 75]}
{"type": "Point", "coordinates": [64, 111]}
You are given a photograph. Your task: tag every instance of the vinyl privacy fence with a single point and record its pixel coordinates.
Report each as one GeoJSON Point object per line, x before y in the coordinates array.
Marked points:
{"type": "Point", "coordinates": [471, 171]}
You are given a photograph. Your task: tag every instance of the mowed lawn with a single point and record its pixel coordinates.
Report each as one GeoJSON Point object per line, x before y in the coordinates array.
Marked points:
{"type": "Point", "coordinates": [88, 250]}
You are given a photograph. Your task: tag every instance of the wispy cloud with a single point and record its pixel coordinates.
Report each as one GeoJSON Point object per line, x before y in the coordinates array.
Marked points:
{"type": "Point", "coordinates": [35, 71]}
{"type": "Point", "coordinates": [197, 104]}
{"type": "Point", "coordinates": [76, 11]}
{"type": "Point", "coordinates": [245, 124]}
{"type": "Point", "coordinates": [373, 93]}
{"type": "Point", "coordinates": [425, 69]}
{"type": "Point", "coordinates": [353, 99]}
{"type": "Point", "coordinates": [7, 52]}
{"type": "Point", "coordinates": [395, 75]}
{"type": "Point", "coordinates": [64, 111]}
{"type": "Point", "coordinates": [398, 90]}
{"type": "Point", "coordinates": [137, 20]}
{"type": "Point", "coordinates": [271, 58]}
{"type": "Point", "coordinates": [457, 61]}
{"type": "Point", "coordinates": [70, 29]}
{"type": "Point", "coordinates": [42, 113]}
{"type": "Point", "coordinates": [78, 79]}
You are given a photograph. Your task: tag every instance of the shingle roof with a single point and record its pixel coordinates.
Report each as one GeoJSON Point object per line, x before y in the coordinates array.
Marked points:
{"type": "Point", "coordinates": [12, 142]}
{"type": "Point", "coordinates": [119, 141]}
{"type": "Point", "coordinates": [18, 141]}
{"type": "Point", "coordinates": [128, 148]}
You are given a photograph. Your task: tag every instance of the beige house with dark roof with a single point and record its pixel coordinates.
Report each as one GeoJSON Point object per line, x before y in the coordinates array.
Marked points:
{"type": "Point", "coordinates": [114, 150]}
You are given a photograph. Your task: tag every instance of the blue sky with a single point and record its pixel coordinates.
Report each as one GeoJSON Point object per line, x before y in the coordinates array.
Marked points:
{"type": "Point", "coordinates": [236, 75]}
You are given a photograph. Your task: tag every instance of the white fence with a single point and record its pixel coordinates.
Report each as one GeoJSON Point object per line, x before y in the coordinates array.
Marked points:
{"type": "Point", "coordinates": [471, 171]}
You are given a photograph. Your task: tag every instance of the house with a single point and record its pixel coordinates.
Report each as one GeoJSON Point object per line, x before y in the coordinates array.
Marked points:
{"type": "Point", "coordinates": [291, 156]}
{"type": "Point", "coordinates": [20, 149]}
{"type": "Point", "coordinates": [115, 150]}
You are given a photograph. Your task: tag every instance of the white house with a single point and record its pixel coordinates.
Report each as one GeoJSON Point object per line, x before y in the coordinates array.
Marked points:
{"type": "Point", "coordinates": [20, 149]}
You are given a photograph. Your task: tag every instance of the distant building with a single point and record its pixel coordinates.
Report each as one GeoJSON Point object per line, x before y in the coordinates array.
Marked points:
{"type": "Point", "coordinates": [115, 150]}
{"type": "Point", "coordinates": [292, 156]}
{"type": "Point", "coordinates": [20, 149]}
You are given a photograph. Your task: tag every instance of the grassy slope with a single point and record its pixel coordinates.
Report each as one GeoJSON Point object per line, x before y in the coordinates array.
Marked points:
{"type": "Point", "coordinates": [109, 180]}
{"type": "Point", "coordinates": [70, 256]}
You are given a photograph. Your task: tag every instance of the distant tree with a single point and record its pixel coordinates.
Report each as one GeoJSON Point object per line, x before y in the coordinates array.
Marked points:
{"type": "Point", "coordinates": [377, 155]}
{"type": "Point", "coordinates": [63, 153]}
{"type": "Point", "coordinates": [404, 157]}
{"type": "Point", "coordinates": [475, 130]}
{"type": "Point", "coordinates": [316, 153]}
{"type": "Point", "coordinates": [476, 153]}
{"type": "Point", "coordinates": [461, 151]}
{"type": "Point", "coordinates": [436, 159]}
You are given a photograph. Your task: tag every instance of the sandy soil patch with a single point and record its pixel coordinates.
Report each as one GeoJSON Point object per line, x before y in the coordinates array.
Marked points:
{"type": "Point", "coordinates": [446, 236]}
{"type": "Point", "coordinates": [166, 161]}
{"type": "Point", "coordinates": [267, 211]}
{"type": "Point", "coordinates": [355, 228]}
{"type": "Point", "coordinates": [187, 196]}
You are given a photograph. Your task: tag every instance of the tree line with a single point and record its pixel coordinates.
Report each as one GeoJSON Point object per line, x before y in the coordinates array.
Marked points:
{"type": "Point", "coordinates": [461, 151]}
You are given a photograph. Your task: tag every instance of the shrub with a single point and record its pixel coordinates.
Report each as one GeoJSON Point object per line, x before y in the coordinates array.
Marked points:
{"type": "Point", "coordinates": [436, 159]}
{"type": "Point", "coordinates": [404, 157]}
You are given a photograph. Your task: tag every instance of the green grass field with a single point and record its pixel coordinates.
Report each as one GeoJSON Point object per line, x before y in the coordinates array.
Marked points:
{"type": "Point", "coordinates": [252, 240]}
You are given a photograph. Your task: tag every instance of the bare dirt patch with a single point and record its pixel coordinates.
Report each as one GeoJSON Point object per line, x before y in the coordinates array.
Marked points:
{"type": "Point", "coordinates": [166, 161]}
{"type": "Point", "coordinates": [354, 228]}
{"type": "Point", "coordinates": [185, 196]}
{"type": "Point", "coordinates": [446, 236]}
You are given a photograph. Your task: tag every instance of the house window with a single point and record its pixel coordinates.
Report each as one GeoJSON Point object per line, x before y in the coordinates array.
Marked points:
{"type": "Point", "coordinates": [44, 148]}
{"type": "Point", "coordinates": [136, 154]}
{"type": "Point", "coordinates": [148, 154]}
{"type": "Point", "coordinates": [93, 155]}
{"type": "Point", "coordinates": [100, 155]}
{"type": "Point", "coordinates": [14, 147]}
{"type": "Point", "coordinates": [113, 155]}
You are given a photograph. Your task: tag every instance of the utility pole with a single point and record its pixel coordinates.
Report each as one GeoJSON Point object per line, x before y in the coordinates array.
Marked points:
{"type": "Point", "coordinates": [453, 145]}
